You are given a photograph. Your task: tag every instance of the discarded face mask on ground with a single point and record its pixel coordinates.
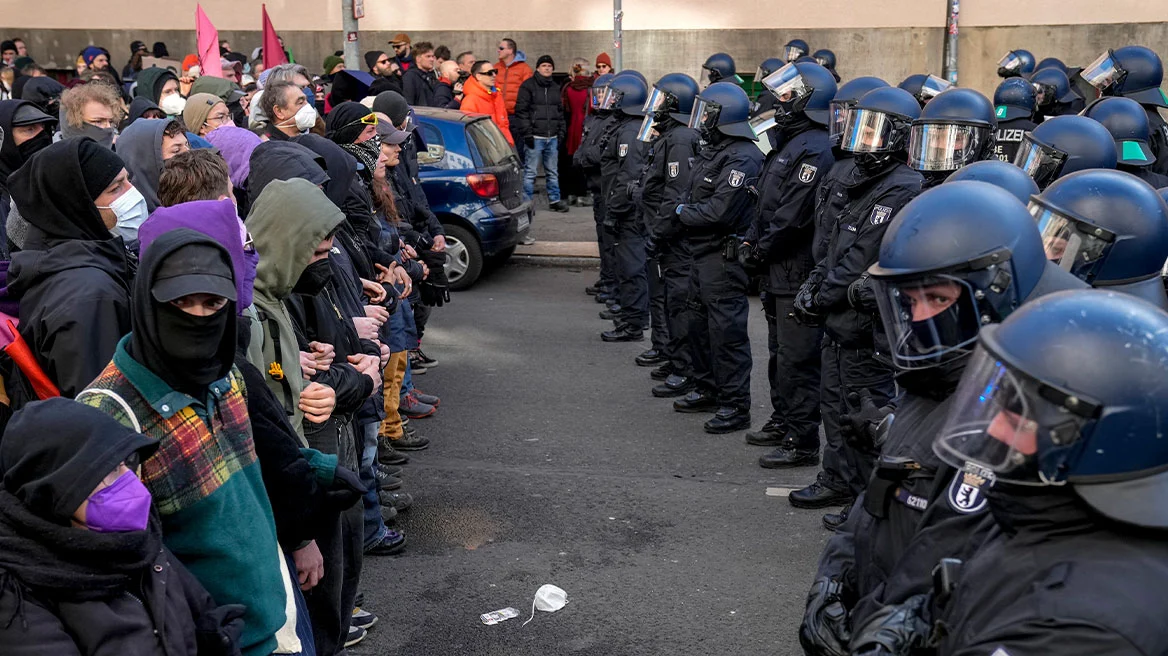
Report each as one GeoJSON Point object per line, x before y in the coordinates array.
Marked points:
{"type": "Point", "coordinates": [548, 598]}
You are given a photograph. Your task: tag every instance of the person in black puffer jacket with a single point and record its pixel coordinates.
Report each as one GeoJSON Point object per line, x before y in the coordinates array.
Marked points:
{"type": "Point", "coordinates": [539, 121]}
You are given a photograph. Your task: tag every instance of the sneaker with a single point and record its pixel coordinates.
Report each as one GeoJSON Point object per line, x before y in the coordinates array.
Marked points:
{"type": "Point", "coordinates": [417, 365]}
{"type": "Point", "coordinates": [363, 619]}
{"type": "Point", "coordinates": [415, 409]}
{"type": "Point", "coordinates": [390, 543]}
{"type": "Point", "coordinates": [558, 206]}
{"type": "Point", "coordinates": [356, 634]}
{"type": "Point", "coordinates": [387, 455]}
{"type": "Point", "coordinates": [528, 240]}
{"type": "Point", "coordinates": [411, 441]}
{"type": "Point", "coordinates": [399, 501]}
{"type": "Point", "coordinates": [426, 360]}
{"type": "Point", "coordinates": [385, 481]}
{"type": "Point", "coordinates": [388, 514]}
{"type": "Point", "coordinates": [428, 399]}
{"type": "Point", "coordinates": [389, 469]}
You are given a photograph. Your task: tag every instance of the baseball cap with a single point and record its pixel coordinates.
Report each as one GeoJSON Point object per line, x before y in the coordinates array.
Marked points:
{"type": "Point", "coordinates": [28, 114]}
{"type": "Point", "coordinates": [194, 269]}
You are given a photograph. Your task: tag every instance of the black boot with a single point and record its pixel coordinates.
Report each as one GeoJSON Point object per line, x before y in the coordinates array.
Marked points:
{"type": "Point", "coordinates": [818, 495]}
{"type": "Point", "coordinates": [650, 358]}
{"type": "Point", "coordinates": [623, 334]}
{"type": "Point", "coordinates": [772, 433]}
{"type": "Point", "coordinates": [696, 402]}
{"type": "Point", "coordinates": [832, 521]}
{"type": "Point", "coordinates": [728, 420]}
{"type": "Point", "coordinates": [664, 371]}
{"type": "Point", "coordinates": [788, 456]}
{"type": "Point", "coordinates": [674, 385]}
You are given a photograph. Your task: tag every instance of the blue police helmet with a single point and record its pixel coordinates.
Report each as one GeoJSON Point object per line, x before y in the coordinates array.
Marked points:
{"type": "Point", "coordinates": [629, 94]}
{"type": "Point", "coordinates": [720, 66]}
{"type": "Point", "coordinates": [1063, 145]}
{"type": "Point", "coordinates": [602, 81]}
{"type": "Point", "coordinates": [628, 72]}
{"type": "Point", "coordinates": [1051, 62]}
{"type": "Point", "coordinates": [795, 49]}
{"type": "Point", "coordinates": [852, 90]}
{"type": "Point", "coordinates": [733, 110]}
{"type": "Point", "coordinates": [1051, 85]}
{"type": "Point", "coordinates": [681, 90]}
{"type": "Point", "coordinates": [1127, 122]}
{"type": "Point", "coordinates": [1143, 73]}
{"type": "Point", "coordinates": [768, 66]}
{"type": "Point", "coordinates": [825, 58]}
{"type": "Point", "coordinates": [1014, 98]}
{"type": "Point", "coordinates": [1000, 174]}
{"type": "Point", "coordinates": [803, 87]}
{"type": "Point", "coordinates": [893, 101]}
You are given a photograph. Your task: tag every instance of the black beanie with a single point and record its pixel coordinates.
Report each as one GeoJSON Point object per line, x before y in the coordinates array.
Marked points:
{"type": "Point", "coordinates": [371, 58]}
{"type": "Point", "coordinates": [99, 166]}
{"type": "Point", "coordinates": [545, 59]}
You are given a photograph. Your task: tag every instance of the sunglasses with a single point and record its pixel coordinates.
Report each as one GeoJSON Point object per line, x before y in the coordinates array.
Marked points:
{"type": "Point", "coordinates": [502, 47]}
{"type": "Point", "coordinates": [492, 72]}
{"type": "Point", "coordinates": [382, 62]}
{"type": "Point", "coordinates": [369, 119]}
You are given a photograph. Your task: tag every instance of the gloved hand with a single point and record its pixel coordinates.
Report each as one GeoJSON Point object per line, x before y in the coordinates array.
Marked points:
{"type": "Point", "coordinates": [529, 142]}
{"type": "Point", "coordinates": [861, 294]}
{"type": "Point", "coordinates": [346, 489]}
{"type": "Point", "coordinates": [865, 425]}
{"type": "Point", "coordinates": [651, 247]}
{"type": "Point", "coordinates": [748, 257]}
{"type": "Point", "coordinates": [824, 631]}
{"type": "Point", "coordinates": [806, 312]}
{"type": "Point", "coordinates": [433, 294]}
{"type": "Point", "coordinates": [896, 630]}
{"type": "Point", "coordinates": [609, 224]}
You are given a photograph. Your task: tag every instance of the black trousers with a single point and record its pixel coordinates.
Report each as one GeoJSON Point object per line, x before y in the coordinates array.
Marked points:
{"type": "Point", "coordinates": [676, 263]}
{"type": "Point", "coordinates": [793, 370]}
{"type": "Point", "coordinates": [632, 282]}
{"type": "Point", "coordinates": [656, 280]}
{"type": "Point", "coordinates": [847, 370]}
{"type": "Point", "coordinates": [721, 345]}
{"type": "Point", "coordinates": [605, 241]}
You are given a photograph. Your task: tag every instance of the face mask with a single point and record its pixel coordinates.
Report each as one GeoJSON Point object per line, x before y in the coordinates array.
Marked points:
{"type": "Point", "coordinates": [192, 342]}
{"type": "Point", "coordinates": [130, 208]}
{"type": "Point", "coordinates": [549, 599]}
{"type": "Point", "coordinates": [305, 118]}
{"type": "Point", "coordinates": [29, 148]}
{"type": "Point", "coordinates": [173, 104]}
{"type": "Point", "coordinates": [310, 95]}
{"type": "Point", "coordinates": [121, 507]}
{"type": "Point", "coordinates": [314, 279]}
{"type": "Point", "coordinates": [103, 136]}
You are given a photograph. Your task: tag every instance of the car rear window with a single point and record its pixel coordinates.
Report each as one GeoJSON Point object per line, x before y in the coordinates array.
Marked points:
{"type": "Point", "coordinates": [435, 148]}
{"type": "Point", "coordinates": [490, 142]}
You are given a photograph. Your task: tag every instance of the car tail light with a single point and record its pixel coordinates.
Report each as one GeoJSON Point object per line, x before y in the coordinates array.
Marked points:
{"type": "Point", "coordinates": [486, 185]}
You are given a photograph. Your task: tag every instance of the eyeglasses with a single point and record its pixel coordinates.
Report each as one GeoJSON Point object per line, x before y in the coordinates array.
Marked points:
{"type": "Point", "coordinates": [219, 118]}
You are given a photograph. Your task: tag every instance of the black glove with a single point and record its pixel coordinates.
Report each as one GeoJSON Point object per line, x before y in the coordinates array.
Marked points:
{"type": "Point", "coordinates": [896, 630]}
{"type": "Point", "coordinates": [806, 312]}
{"type": "Point", "coordinates": [824, 631]}
{"type": "Point", "coordinates": [346, 490]}
{"type": "Point", "coordinates": [864, 425]}
{"type": "Point", "coordinates": [433, 294]}
{"type": "Point", "coordinates": [609, 224]}
{"type": "Point", "coordinates": [862, 296]}
{"type": "Point", "coordinates": [218, 631]}
{"type": "Point", "coordinates": [748, 257]}
{"type": "Point", "coordinates": [529, 142]}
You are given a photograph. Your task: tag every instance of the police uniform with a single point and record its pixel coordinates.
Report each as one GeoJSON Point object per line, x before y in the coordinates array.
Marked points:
{"type": "Point", "coordinates": [782, 234]}
{"type": "Point", "coordinates": [664, 184]}
{"type": "Point", "coordinates": [620, 165]}
{"type": "Point", "coordinates": [1147, 174]}
{"type": "Point", "coordinates": [1159, 139]}
{"type": "Point", "coordinates": [718, 207]}
{"type": "Point", "coordinates": [1009, 137]}
{"type": "Point", "coordinates": [587, 157]}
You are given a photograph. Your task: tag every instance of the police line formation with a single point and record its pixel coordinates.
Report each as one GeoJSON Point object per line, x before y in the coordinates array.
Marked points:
{"type": "Point", "coordinates": [992, 426]}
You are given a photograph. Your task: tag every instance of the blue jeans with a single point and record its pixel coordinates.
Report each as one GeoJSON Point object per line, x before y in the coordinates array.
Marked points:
{"type": "Point", "coordinates": [371, 502]}
{"type": "Point", "coordinates": [547, 150]}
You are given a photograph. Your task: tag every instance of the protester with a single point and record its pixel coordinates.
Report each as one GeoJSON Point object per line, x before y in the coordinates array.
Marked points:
{"type": "Point", "coordinates": [161, 87]}
{"type": "Point", "coordinates": [144, 146]}
{"type": "Point", "coordinates": [465, 61]}
{"type": "Point", "coordinates": [235, 145]}
{"type": "Point", "coordinates": [8, 52]}
{"type": "Point", "coordinates": [480, 96]}
{"type": "Point", "coordinates": [603, 64]}
{"type": "Point", "coordinates": [441, 55]}
{"type": "Point", "coordinates": [513, 71]}
{"type": "Point", "coordinates": [402, 51]}
{"type": "Point", "coordinates": [333, 64]}
{"type": "Point", "coordinates": [91, 110]}
{"type": "Point", "coordinates": [576, 99]}
{"type": "Point", "coordinates": [448, 90]}
{"type": "Point", "coordinates": [289, 111]}
{"type": "Point", "coordinates": [191, 176]}
{"type": "Point", "coordinates": [27, 131]}
{"type": "Point", "coordinates": [419, 81]}
{"type": "Point", "coordinates": [134, 65]}
{"type": "Point", "coordinates": [142, 108]}
{"type": "Point", "coordinates": [205, 112]}
{"type": "Point", "coordinates": [539, 118]}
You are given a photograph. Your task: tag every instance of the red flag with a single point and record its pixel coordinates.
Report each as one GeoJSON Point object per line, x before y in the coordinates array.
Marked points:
{"type": "Point", "coordinates": [22, 356]}
{"type": "Point", "coordinates": [273, 53]}
{"type": "Point", "coordinates": [207, 40]}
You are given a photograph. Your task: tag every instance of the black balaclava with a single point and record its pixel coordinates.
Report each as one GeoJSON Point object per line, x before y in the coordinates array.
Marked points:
{"type": "Point", "coordinates": [344, 127]}
{"type": "Point", "coordinates": [12, 156]}
{"type": "Point", "coordinates": [185, 351]}
{"type": "Point", "coordinates": [55, 190]}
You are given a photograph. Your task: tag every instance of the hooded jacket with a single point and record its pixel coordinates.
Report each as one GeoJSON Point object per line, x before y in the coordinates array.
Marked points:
{"type": "Point", "coordinates": [282, 160]}
{"type": "Point", "coordinates": [287, 222]}
{"type": "Point", "coordinates": [66, 589]}
{"type": "Point", "coordinates": [236, 146]}
{"type": "Point", "coordinates": [140, 147]}
{"type": "Point", "coordinates": [150, 83]}
{"type": "Point", "coordinates": [72, 280]}
{"type": "Point", "coordinates": [418, 87]}
{"type": "Point", "coordinates": [138, 107]}
{"type": "Point", "coordinates": [477, 99]}
{"type": "Point", "coordinates": [539, 109]}
{"type": "Point", "coordinates": [10, 157]}
{"type": "Point", "coordinates": [511, 77]}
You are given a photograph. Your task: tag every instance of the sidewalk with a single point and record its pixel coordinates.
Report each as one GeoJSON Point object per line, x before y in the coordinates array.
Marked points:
{"type": "Point", "coordinates": [570, 235]}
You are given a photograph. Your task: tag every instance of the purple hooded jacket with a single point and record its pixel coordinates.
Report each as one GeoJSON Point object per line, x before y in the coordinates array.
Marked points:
{"type": "Point", "coordinates": [235, 145]}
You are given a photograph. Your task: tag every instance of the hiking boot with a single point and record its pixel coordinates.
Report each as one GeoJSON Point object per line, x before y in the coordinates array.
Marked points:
{"type": "Point", "coordinates": [411, 441]}
{"type": "Point", "coordinates": [387, 455]}
{"type": "Point", "coordinates": [400, 501]}
{"type": "Point", "coordinates": [415, 409]}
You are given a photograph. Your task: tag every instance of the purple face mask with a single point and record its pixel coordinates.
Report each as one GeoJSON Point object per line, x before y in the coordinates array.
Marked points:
{"type": "Point", "coordinates": [121, 507]}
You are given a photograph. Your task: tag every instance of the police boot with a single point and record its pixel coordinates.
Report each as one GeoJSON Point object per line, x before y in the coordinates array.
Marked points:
{"type": "Point", "coordinates": [675, 385]}
{"type": "Point", "coordinates": [833, 521]}
{"type": "Point", "coordinates": [772, 433]}
{"type": "Point", "coordinates": [603, 296]}
{"type": "Point", "coordinates": [664, 371]}
{"type": "Point", "coordinates": [650, 358]}
{"type": "Point", "coordinates": [728, 420]}
{"type": "Point", "coordinates": [695, 402]}
{"type": "Point", "coordinates": [789, 456]}
{"type": "Point", "coordinates": [624, 333]}
{"type": "Point", "coordinates": [818, 495]}
{"type": "Point", "coordinates": [609, 314]}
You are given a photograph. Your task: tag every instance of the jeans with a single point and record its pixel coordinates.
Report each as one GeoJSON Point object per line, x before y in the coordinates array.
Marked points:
{"type": "Point", "coordinates": [374, 525]}
{"type": "Point", "coordinates": [547, 150]}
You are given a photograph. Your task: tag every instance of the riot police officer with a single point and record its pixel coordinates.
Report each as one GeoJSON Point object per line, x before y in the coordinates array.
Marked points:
{"type": "Point", "coordinates": [1127, 122]}
{"type": "Point", "coordinates": [1014, 106]}
{"type": "Point", "coordinates": [664, 181]}
{"type": "Point", "coordinates": [762, 115]}
{"type": "Point", "coordinates": [780, 239]}
{"type": "Point", "coordinates": [719, 67]}
{"type": "Point", "coordinates": [1135, 72]}
{"type": "Point", "coordinates": [876, 133]}
{"type": "Point", "coordinates": [1050, 62]}
{"type": "Point", "coordinates": [956, 128]}
{"type": "Point", "coordinates": [1061, 404]}
{"type": "Point", "coordinates": [717, 209]}
{"type": "Point", "coordinates": [1016, 63]}
{"type": "Point", "coordinates": [924, 87]}
{"type": "Point", "coordinates": [1053, 95]}
{"type": "Point", "coordinates": [826, 59]}
{"type": "Point", "coordinates": [1000, 174]}
{"type": "Point", "coordinates": [1063, 145]}
{"type": "Point", "coordinates": [587, 158]}
{"type": "Point", "coordinates": [795, 49]}
{"type": "Point", "coordinates": [620, 164]}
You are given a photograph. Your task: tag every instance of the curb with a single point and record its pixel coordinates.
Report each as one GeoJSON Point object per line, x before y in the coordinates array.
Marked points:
{"type": "Point", "coordinates": [555, 261]}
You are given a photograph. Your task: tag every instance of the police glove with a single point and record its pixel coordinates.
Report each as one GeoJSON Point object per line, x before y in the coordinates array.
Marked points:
{"type": "Point", "coordinates": [896, 630]}
{"type": "Point", "coordinates": [865, 425]}
{"type": "Point", "coordinates": [434, 295]}
{"type": "Point", "coordinates": [805, 311]}
{"type": "Point", "coordinates": [824, 631]}
{"type": "Point", "coordinates": [862, 296]}
{"type": "Point", "coordinates": [748, 257]}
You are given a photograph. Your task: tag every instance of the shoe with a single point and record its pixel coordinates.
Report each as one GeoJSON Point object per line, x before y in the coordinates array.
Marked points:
{"type": "Point", "coordinates": [426, 360]}
{"type": "Point", "coordinates": [363, 619]}
{"type": "Point", "coordinates": [415, 409]}
{"type": "Point", "coordinates": [592, 290]}
{"type": "Point", "coordinates": [603, 296]}
{"type": "Point", "coordinates": [651, 358]}
{"type": "Point", "coordinates": [558, 206]}
{"type": "Point", "coordinates": [728, 420]}
{"type": "Point", "coordinates": [387, 455]}
{"type": "Point", "coordinates": [411, 441]}
{"type": "Point", "coordinates": [385, 481]}
{"type": "Point", "coordinates": [389, 469]}
{"type": "Point", "coordinates": [832, 521]}
{"type": "Point", "coordinates": [528, 240]}
{"type": "Point", "coordinates": [399, 501]}
{"type": "Point", "coordinates": [818, 495]}
{"type": "Point", "coordinates": [674, 385]}
{"type": "Point", "coordinates": [356, 634]}
{"type": "Point", "coordinates": [664, 371]}
{"type": "Point", "coordinates": [625, 334]}
{"type": "Point", "coordinates": [607, 315]}
{"type": "Point", "coordinates": [428, 399]}
{"type": "Point", "coordinates": [390, 543]}
{"type": "Point", "coordinates": [388, 514]}
{"type": "Point", "coordinates": [772, 433]}
{"type": "Point", "coordinates": [788, 456]}
{"type": "Point", "coordinates": [695, 402]}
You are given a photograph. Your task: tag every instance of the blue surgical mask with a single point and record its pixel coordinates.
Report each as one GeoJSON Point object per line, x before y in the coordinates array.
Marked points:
{"type": "Point", "coordinates": [310, 94]}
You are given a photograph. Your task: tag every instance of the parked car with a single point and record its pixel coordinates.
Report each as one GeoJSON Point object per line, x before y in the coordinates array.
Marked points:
{"type": "Point", "coordinates": [474, 182]}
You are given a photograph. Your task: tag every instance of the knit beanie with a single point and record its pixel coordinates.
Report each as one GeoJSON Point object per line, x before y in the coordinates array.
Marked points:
{"type": "Point", "coordinates": [545, 59]}
{"type": "Point", "coordinates": [197, 109]}
{"type": "Point", "coordinates": [371, 58]}
{"type": "Point", "coordinates": [330, 62]}
{"type": "Point", "coordinates": [99, 166]}
{"type": "Point", "coordinates": [603, 58]}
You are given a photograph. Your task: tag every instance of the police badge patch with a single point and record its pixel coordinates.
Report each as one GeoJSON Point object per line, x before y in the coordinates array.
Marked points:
{"type": "Point", "coordinates": [674, 168]}
{"type": "Point", "coordinates": [736, 178]}
{"type": "Point", "coordinates": [967, 491]}
{"type": "Point", "coordinates": [807, 173]}
{"type": "Point", "coordinates": [880, 214]}
{"type": "Point", "coordinates": [623, 150]}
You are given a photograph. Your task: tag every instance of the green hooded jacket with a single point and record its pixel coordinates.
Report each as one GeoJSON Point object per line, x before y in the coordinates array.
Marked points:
{"type": "Point", "coordinates": [150, 82]}
{"type": "Point", "coordinates": [287, 222]}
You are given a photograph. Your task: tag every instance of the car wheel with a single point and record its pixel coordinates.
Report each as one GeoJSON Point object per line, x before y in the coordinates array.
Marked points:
{"type": "Point", "coordinates": [464, 257]}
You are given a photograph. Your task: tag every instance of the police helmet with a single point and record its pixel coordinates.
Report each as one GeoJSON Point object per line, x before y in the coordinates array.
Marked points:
{"type": "Point", "coordinates": [1132, 71]}
{"type": "Point", "coordinates": [806, 88]}
{"type": "Point", "coordinates": [846, 97]}
{"type": "Point", "coordinates": [1016, 63]}
{"type": "Point", "coordinates": [825, 58]}
{"type": "Point", "coordinates": [880, 122]}
{"type": "Point", "coordinates": [719, 66]}
{"type": "Point", "coordinates": [1051, 62]}
{"type": "Point", "coordinates": [924, 87]}
{"type": "Point", "coordinates": [672, 97]}
{"type": "Point", "coordinates": [1014, 98]}
{"type": "Point", "coordinates": [634, 73]}
{"type": "Point", "coordinates": [795, 49]}
{"type": "Point", "coordinates": [1000, 174]}
{"type": "Point", "coordinates": [626, 93]}
{"type": "Point", "coordinates": [1063, 145]}
{"type": "Point", "coordinates": [958, 256]}
{"type": "Point", "coordinates": [767, 67]}
{"type": "Point", "coordinates": [1070, 390]}
{"type": "Point", "coordinates": [1051, 86]}
{"type": "Point", "coordinates": [1127, 122]}
{"type": "Point", "coordinates": [1105, 227]}
{"type": "Point", "coordinates": [956, 128]}
{"type": "Point", "coordinates": [722, 106]}
{"type": "Point", "coordinates": [596, 94]}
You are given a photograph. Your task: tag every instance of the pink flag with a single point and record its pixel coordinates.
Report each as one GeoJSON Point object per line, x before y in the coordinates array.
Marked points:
{"type": "Point", "coordinates": [207, 40]}
{"type": "Point", "coordinates": [273, 53]}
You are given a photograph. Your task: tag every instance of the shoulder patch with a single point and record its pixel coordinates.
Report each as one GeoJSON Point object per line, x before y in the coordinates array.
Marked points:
{"type": "Point", "coordinates": [623, 150]}
{"type": "Point", "coordinates": [880, 214]}
{"type": "Point", "coordinates": [736, 178]}
{"type": "Point", "coordinates": [807, 173]}
{"type": "Point", "coordinates": [967, 492]}
{"type": "Point", "coordinates": [673, 168]}
{"type": "Point", "coordinates": [1000, 651]}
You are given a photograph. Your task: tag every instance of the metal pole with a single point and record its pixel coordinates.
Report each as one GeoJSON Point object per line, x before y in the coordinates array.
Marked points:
{"type": "Point", "coordinates": [352, 45]}
{"type": "Point", "coordinates": [949, 54]}
{"type": "Point", "coordinates": [617, 35]}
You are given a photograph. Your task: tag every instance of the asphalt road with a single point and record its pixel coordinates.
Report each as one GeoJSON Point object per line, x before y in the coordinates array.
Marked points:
{"type": "Point", "coordinates": [551, 463]}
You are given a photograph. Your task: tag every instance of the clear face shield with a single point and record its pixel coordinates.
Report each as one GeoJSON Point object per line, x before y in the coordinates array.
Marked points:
{"type": "Point", "coordinates": [932, 87]}
{"type": "Point", "coordinates": [945, 146]}
{"type": "Point", "coordinates": [1025, 431]}
{"type": "Point", "coordinates": [657, 107]}
{"type": "Point", "coordinates": [1103, 73]}
{"type": "Point", "coordinates": [1042, 163]}
{"type": "Point", "coordinates": [870, 131]}
{"type": "Point", "coordinates": [929, 321]}
{"type": "Point", "coordinates": [791, 53]}
{"type": "Point", "coordinates": [1010, 62]}
{"type": "Point", "coordinates": [762, 122]}
{"type": "Point", "coordinates": [1076, 247]}
{"type": "Point", "coordinates": [839, 117]}
{"type": "Point", "coordinates": [707, 77]}
{"type": "Point", "coordinates": [1044, 94]}
{"type": "Point", "coordinates": [787, 85]}
{"type": "Point", "coordinates": [611, 99]}
{"type": "Point", "coordinates": [596, 95]}
{"type": "Point", "coordinates": [705, 116]}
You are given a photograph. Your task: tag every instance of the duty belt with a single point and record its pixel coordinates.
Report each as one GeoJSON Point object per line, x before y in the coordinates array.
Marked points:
{"type": "Point", "coordinates": [916, 502]}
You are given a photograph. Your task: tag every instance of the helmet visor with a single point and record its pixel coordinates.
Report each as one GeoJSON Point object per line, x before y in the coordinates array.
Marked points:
{"type": "Point", "coordinates": [822, 61]}
{"type": "Point", "coordinates": [596, 94]}
{"type": "Point", "coordinates": [791, 53]}
{"type": "Point", "coordinates": [705, 115]}
{"type": "Point", "coordinates": [1010, 424]}
{"type": "Point", "coordinates": [659, 102]}
{"type": "Point", "coordinates": [1074, 246]}
{"type": "Point", "coordinates": [1103, 72]}
{"type": "Point", "coordinates": [933, 86]}
{"type": "Point", "coordinates": [1010, 62]}
{"type": "Point", "coordinates": [787, 85]}
{"type": "Point", "coordinates": [869, 131]}
{"type": "Point", "coordinates": [1042, 163]}
{"type": "Point", "coordinates": [944, 146]}
{"type": "Point", "coordinates": [611, 98]}
{"type": "Point", "coordinates": [929, 321]}
{"type": "Point", "coordinates": [839, 116]}
{"type": "Point", "coordinates": [648, 131]}
{"type": "Point", "coordinates": [1044, 94]}
{"type": "Point", "coordinates": [760, 123]}
{"type": "Point", "coordinates": [708, 77]}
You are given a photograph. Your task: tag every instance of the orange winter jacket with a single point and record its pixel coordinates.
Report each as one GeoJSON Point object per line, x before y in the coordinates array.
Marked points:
{"type": "Point", "coordinates": [511, 77]}
{"type": "Point", "coordinates": [477, 99]}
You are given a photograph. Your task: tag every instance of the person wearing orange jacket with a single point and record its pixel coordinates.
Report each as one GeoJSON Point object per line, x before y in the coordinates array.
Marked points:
{"type": "Point", "coordinates": [513, 70]}
{"type": "Point", "coordinates": [480, 96]}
